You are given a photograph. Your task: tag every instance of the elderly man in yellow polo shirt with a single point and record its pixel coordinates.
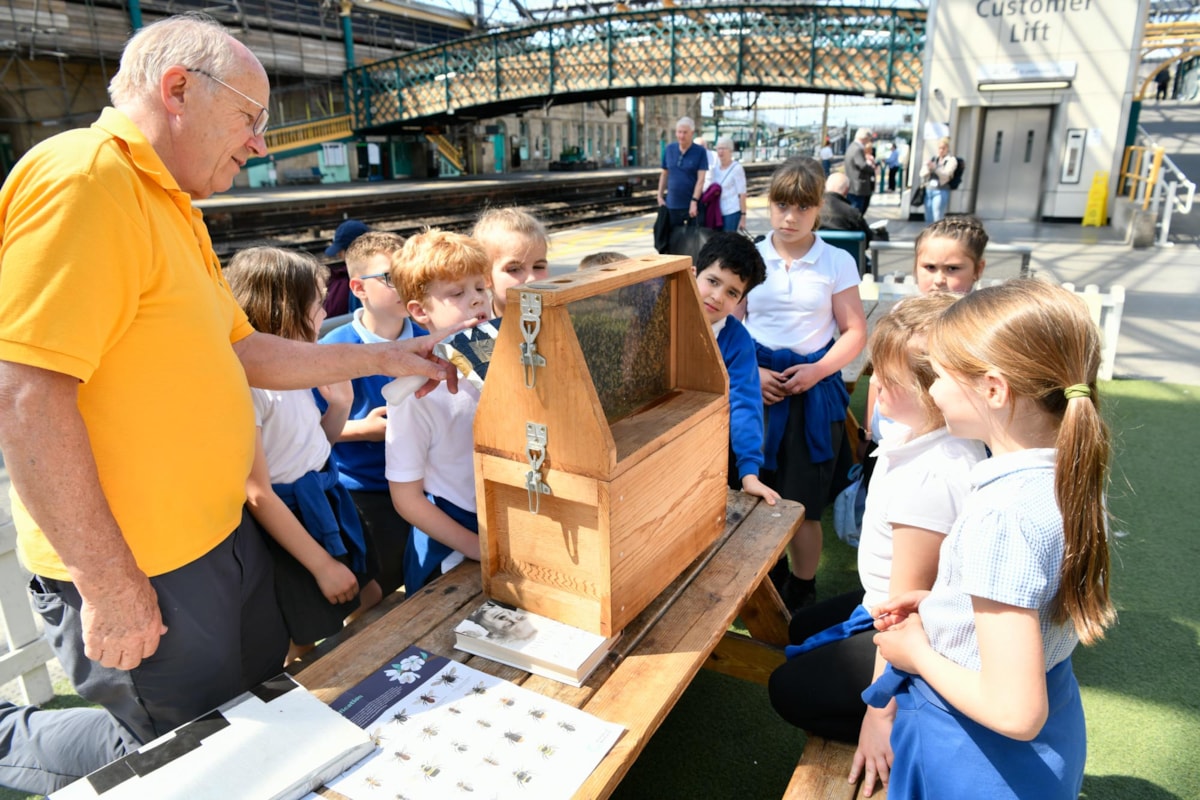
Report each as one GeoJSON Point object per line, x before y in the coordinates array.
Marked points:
{"type": "Point", "coordinates": [125, 413]}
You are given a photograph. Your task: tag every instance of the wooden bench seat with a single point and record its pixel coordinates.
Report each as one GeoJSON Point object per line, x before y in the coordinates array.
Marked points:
{"type": "Point", "coordinates": [821, 774]}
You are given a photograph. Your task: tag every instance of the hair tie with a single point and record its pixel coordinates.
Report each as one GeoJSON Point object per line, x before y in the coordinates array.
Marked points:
{"type": "Point", "coordinates": [1077, 390]}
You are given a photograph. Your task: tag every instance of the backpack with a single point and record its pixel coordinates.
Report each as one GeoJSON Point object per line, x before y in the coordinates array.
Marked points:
{"type": "Point", "coordinates": [848, 508]}
{"type": "Point", "coordinates": [956, 179]}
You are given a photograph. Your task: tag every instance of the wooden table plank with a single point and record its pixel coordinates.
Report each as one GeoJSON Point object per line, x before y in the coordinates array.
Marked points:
{"type": "Point", "coordinates": [651, 664]}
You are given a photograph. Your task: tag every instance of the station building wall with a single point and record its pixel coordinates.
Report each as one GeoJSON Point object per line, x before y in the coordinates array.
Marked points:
{"type": "Point", "coordinates": [1091, 44]}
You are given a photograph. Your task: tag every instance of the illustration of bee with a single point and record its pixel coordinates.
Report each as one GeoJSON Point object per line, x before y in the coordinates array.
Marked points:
{"type": "Point", "coordinates": [479, 688]}
{"type": "Point", "coordinates": [547, 750]}
{"type": "Point", "coordinates": [401, 755]}
{"type": "Point", "coordinates": [429, 699]}
{"type": "Point", "coordinates": [459, 747]}
{"type": "Point", "coordinates": [514, 737]}
{"type": "Point", "coordinates": [454, 709]}
{"type": "Point", "coordinates": [566, 726]}
{"type": "Point", "coordinates": [523, 776]}
{"type": "Point", "coordinates": [401, 716]}
{"type": "Point", "coordinates": [491, 760]}
{"type": "Point", "coordinates": [507, 701]}
{"type": "Point", "coordinates": [377, 737]}
{"type": "Point", "coordinates": [447, 678]}
{"type": "Point", "coordinates": [536, 713]}
{"type": "Point", "coordinates": [463, 786]}
{"type": "Point", "coordinates": [483, 723]}
{"type": "Point", "coordinates": [374, 783]}
{"type": "Point", "coordinates": [431, 771]}
{"type": "Point", "coordinates": [428, 732]}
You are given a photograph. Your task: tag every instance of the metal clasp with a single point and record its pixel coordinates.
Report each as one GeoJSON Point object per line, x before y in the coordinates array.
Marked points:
{"type": "Point", "coordinates": [535, 451]}
{"type": "Point", "coordinates": [531, 325]}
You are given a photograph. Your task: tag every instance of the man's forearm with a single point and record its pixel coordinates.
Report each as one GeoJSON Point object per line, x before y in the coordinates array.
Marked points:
{"type": "Point", "coordinates": [48, 455]}
{"type": "Point", "coordinates": [272, 362]}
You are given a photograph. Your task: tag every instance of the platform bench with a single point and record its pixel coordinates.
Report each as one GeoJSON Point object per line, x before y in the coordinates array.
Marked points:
{"type": "Point", "coordinates": [301, 176]}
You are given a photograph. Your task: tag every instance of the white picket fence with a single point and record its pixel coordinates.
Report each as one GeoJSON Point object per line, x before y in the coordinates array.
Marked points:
{"type": "Point", "coordinates": [1106, 308]}
{"type": "Point", "coordinates": [28, 652]}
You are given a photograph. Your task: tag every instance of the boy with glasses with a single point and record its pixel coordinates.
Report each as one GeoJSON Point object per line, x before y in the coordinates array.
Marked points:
{"type": "Point", "coordinates": [359, 452]}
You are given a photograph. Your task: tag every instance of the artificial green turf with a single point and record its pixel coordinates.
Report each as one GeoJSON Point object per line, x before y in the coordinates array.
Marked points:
{"type": "Point", "coordinates": [1139, 685]}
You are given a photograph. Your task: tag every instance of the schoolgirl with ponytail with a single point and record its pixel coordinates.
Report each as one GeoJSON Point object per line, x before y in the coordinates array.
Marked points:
{"type": "Point", "coordinates": [980, 666]}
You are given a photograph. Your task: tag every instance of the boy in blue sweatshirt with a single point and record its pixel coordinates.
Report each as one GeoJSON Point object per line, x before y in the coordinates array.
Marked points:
{"type": "Point", "coordinates": [727, 268]}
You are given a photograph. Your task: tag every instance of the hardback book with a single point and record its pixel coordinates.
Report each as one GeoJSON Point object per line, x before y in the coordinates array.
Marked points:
{"type": "Point", "coordinates": [532, 642]}
{"type": "Point", "coordinates": [446, 730]}
{"type": "Point", "coordinates": [275, 742]}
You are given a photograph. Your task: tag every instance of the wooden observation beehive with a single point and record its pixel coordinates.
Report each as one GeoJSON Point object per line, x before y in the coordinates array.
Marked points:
{"type": "Point", "coordinates": [601, 442]}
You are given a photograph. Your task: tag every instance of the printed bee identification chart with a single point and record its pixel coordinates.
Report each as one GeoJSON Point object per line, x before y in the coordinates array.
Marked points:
{"type": "Point", "coordinates": [444, 730]}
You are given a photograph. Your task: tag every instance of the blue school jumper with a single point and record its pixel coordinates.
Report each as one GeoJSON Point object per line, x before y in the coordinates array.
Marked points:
{"type": "Point", "coordinates": [424, 555]}
{"type": "Point", "coordinates": [824, 404]}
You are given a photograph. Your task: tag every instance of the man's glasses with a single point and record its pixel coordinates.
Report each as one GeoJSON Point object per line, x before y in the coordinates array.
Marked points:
{"type": "Point", "coordinates": [259, 126]}
{"type": "Point", "coordinates": [386, 277]}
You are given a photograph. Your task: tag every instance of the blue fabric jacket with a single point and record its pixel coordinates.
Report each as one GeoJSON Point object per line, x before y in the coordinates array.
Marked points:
{"type": "Point", "coordinates": [824, 404]}
{"type": "Point", "coordinates": [860, 620]}
{"type": "Point", "coordinates": [327, 511]}
{"type": "Point", "coordinates": [424, 555]}
{"type": "Point", "coordinates": [745, 396]}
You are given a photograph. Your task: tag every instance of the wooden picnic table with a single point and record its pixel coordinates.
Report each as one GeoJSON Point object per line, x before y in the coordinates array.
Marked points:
{"type": "Point", "coordinates": [657, 656]}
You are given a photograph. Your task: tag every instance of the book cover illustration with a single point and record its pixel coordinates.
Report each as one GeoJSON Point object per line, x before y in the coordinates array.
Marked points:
{"type": "Point", "coordinates": [527, 638]}
{"type": "Point", "coordinates": [445, 729]}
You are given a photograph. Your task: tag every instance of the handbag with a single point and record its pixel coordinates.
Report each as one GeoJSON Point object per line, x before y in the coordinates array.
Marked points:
{"type": "Point", "coordinates": [689, 238]}
{"type": "Point", "coordinates": [918, 197]}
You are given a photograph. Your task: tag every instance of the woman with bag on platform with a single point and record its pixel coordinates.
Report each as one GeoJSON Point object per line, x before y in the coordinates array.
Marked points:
{"type": "Point", "coordinates": [936, 176]}
{"type": "Point", "coordinates": [731, 177]}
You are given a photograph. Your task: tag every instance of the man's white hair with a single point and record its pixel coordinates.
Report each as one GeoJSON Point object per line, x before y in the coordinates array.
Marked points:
{"type": "Point", "coordinates": [863, 133]}
{"type": "Point", "coordinates": [195, 41]}
{"type": "Point", "coordinates": [686, 121]}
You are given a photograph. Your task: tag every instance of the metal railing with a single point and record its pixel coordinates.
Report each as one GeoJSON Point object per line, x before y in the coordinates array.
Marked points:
{"type": "Point", "coordinates": [1167, 189]}
{"type": "Point", "coordinates": [448, 150]}
{"type": "Point", "coordinates": [1023, 252]}
{"type": "Point", "coordinates": [290, 137]}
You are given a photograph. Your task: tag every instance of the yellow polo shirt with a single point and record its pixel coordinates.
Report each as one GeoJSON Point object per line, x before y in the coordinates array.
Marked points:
{"type": "Point", "coordinates": [107, 274]}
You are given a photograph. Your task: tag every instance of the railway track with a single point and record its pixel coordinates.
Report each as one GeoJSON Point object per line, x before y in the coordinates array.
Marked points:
{"type": "Point", "coordinates": [308, 226]}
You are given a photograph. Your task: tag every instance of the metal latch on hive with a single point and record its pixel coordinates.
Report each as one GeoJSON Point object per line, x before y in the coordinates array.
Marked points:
{"type": "Point", "coordinates": [531, 325]}
{"type": "Point", "coordinates": [535, 450]}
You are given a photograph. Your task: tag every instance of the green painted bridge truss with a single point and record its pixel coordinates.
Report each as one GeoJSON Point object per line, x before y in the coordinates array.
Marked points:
{"type": "Point", "coordinates": [792, 47]}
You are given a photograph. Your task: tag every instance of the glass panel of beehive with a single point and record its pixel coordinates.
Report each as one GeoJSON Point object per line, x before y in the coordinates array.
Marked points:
{"type": "Point", "coordinates": [625, 335]}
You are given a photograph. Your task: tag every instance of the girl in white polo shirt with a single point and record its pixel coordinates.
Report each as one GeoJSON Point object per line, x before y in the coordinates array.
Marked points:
{"type": "Point", "coordinates": [917, 492]}
{"type": "Point", "coordinates": [807, 320]}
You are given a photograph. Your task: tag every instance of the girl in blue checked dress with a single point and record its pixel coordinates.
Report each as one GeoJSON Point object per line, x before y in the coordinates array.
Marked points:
{"type": "Point", "coordinates": [980, 666]}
